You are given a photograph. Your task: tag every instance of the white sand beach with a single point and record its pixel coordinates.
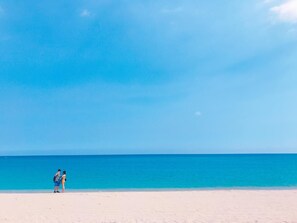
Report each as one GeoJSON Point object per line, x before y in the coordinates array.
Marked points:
{"type": "Point", "coordinates": [155, 206]}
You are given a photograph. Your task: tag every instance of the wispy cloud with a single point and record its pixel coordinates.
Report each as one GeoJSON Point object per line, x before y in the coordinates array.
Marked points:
{"type": "Point", "coordinates": [1, 10]}
{"type": "Point", "coordinates": [198, 113]}
{"type": "Point", "coordinates": [287, 11]}
{"type": "Point", "coordinates": [172, 10]}
{"type": "Point", "coordinates": [268, 1]}
{"type": "Point", "coordinates": [85, 13]}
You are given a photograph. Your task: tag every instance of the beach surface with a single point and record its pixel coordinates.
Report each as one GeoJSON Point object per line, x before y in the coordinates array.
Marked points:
{"type": "Point", "coordinates": [151, 206]}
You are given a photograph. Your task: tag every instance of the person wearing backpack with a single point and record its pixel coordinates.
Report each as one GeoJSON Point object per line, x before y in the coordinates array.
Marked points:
{"type": "Point", "coordinates": [57, 181]}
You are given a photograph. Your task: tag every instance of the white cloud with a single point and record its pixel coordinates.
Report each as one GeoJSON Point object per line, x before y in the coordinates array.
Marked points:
{"type": "Point", "coordinates": [85, 13]}
{"type": "Point", "coordinates": [287, 11]}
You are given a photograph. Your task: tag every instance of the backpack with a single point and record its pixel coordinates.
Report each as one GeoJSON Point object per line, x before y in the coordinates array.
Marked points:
{"type": "Point", "coordinates": [56, 178]}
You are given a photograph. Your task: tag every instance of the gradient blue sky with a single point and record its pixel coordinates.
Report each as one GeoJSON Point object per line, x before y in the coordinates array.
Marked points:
{"type": "Point", "coordinates": [168, 76]}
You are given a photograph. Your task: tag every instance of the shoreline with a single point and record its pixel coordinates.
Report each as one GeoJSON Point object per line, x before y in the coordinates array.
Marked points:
{"type": "Point", "coordinates": [46, 191]}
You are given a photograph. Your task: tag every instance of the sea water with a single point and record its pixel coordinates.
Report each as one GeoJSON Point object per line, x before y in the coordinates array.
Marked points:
{"type": "Point", "coordinates": [138, 172]}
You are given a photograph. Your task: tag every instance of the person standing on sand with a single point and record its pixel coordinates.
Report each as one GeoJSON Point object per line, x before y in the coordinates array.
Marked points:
{"type": "Point", "coordinates": [57, 181]}
{"type": "Point", "coordinates": [63, 180]}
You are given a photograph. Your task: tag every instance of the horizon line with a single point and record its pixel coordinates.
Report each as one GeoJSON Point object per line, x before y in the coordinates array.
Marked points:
{"type": "Point", "coordinates": [151, 154]}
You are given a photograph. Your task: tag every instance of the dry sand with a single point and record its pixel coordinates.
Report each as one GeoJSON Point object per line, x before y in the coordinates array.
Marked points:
{"type": "Point", "coordinates": [162, 206]}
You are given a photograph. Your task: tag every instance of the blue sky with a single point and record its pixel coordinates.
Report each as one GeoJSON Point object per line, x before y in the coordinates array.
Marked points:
{"type": "Point", "coordinates": [117, 77]}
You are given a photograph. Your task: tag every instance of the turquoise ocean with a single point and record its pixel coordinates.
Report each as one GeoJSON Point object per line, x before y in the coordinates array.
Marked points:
{"type": "Point", "coordinates": [146, 172]}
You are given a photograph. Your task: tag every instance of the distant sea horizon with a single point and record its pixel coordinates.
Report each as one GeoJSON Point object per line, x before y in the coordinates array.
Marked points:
{"type": "Point", "coordinates": [150, 171]}
{"type": "Point", "coordinates": [146, 154]}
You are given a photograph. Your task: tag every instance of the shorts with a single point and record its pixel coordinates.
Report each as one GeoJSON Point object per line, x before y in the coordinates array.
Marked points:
{"type": "Point", "coordinates": [57, 183]}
